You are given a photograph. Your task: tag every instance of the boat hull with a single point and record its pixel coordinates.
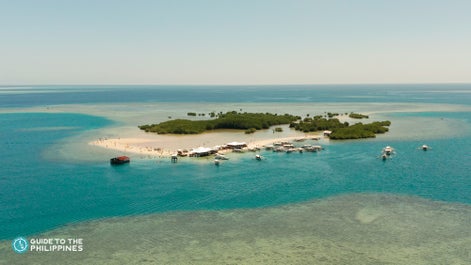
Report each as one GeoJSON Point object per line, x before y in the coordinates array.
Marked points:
{"type": "Point", "coordinates": [120, 160]}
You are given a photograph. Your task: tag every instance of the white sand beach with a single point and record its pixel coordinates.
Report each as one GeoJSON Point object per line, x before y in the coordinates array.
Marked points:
{"type": "Point", "coordinates": [166, 145]}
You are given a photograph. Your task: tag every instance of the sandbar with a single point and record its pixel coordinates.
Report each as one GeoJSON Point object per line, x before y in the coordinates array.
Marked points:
{"type": "Point", "coordinates": [166, 145]}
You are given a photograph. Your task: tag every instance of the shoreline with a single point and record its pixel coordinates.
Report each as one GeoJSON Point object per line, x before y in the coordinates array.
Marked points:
{"type": "Point", "coordinates": [151, 147]}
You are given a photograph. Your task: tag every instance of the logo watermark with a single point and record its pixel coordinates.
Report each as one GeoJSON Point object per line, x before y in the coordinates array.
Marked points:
{"type": "Point", "coordinates": [22, 245]}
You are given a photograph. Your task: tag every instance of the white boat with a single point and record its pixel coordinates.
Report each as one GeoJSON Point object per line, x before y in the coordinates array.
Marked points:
{"type": "Point", "coordinates": [425, 147]}
{"type": "Point", "coordinates": [310, 149]}
{"type": "Point", "coordinates": [269, 147]}
{"type": "Point", "coordinates": [313, 148]}
{"type": "Point", "coordinates": [258, 157]}
{"type": "Point", "coordinates": [217, 162]}
{"type": "Point", "coordinates": [290, 150]}
{"type": "Point", "coordinates": [278, 149]}
{"type": "Point", "coordinates": [388, 150]}
{"type": "Point", "coordinates": [221, 157]}
{"type": "Point", "coordinates": [317, 147]}
{"type": "Point", "coordinates": [174, 158]}
{"type": "Point", "coordinates": [253, 149]}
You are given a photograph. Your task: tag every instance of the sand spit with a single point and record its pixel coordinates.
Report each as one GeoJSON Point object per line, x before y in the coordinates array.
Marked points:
{"type": "Point", "coordinates": [153, 148]}
{"type": "Point", "coordinates": [349, 229]}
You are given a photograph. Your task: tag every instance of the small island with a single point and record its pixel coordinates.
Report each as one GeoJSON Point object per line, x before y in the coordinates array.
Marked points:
{"type": "Point", "coordinates": [357, 116]}
{"type": "Point", "coordinates": [251, 122]}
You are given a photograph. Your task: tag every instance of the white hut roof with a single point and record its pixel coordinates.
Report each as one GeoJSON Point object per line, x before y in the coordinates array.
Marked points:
{"type": "Point", "coordinates": [202, 150]}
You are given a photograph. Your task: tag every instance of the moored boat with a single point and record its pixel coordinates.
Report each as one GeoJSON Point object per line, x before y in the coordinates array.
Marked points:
{"type": "Point", "coordinates": [278, 149]}
{"type": "Point", "coordinates": [269, 147]}
{"type": "Point", "coordinates": [290, 150]}
{"type": "Point", "coordinates": [313, 148]}
{"type": "Point", "coordinates": [120, 160]}
{"type": "Point", "coordinates": [317, 147]}
{"type": "Point", "coordinates": [425, 147]}
{"type": "Point", "coordinates": [253, 149]}
{"type": "Point", "coordinates": [221, 157]}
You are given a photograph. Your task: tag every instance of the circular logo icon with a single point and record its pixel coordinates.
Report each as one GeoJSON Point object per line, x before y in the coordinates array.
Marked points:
{"type": "Point", "coordinates": [20, 245]}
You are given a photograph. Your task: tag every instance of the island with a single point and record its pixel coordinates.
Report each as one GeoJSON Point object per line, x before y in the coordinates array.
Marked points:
{"type": "Point", "coordinates": [357, 116]}
{"type": "Point", "coordinates": [251, 122]}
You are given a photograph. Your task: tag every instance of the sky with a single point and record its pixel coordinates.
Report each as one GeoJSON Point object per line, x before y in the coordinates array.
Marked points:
{"type": "Point", "coordinates": [234, 42]}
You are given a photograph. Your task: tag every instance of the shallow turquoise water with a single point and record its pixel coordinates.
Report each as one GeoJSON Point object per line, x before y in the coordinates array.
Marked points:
{"type": "Point", "coordinates": [38, 194]}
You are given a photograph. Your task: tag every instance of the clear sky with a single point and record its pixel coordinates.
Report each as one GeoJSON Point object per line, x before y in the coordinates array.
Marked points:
{"type": "Point", "coordinates": [234, 42]}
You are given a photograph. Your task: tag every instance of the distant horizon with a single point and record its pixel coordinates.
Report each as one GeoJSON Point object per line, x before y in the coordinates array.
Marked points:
{"type": "Point", "coordinates": [248, 84]}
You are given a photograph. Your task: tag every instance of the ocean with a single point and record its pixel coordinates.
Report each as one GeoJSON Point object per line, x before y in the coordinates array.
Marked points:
{"type": "Point", "coordinates": [51, 179]}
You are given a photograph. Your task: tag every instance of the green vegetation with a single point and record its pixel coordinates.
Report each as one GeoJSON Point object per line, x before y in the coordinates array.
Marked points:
{"type": "Point", "coordinates": [358, 116]}
{"type": "Point", "coordinates": [318, 123]}
{"type": "Point", "coordinates": [360, 130]}
{"type": "Point", "coordinates": [341, 131]}
{"type": "Point", "coordinates": [331, 115]}
{"type": "Point", "coordinates": [251, 122]}
{"type": "Point", "coordinates": [229, 120]}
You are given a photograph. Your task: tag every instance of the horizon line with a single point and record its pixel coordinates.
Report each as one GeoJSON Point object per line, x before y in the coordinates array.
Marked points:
{"type": "Point", "coordinates": [225, 84]}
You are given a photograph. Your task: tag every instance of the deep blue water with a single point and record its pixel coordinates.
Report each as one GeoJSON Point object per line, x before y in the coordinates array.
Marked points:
{"type": "Point", "coordinates": [37, 194]}
{"type": "Point", "coordinates": [424, 93]}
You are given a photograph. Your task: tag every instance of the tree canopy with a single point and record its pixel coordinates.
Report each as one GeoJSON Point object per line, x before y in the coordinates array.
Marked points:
{"type": "Point", "coordinates": [229, 120]}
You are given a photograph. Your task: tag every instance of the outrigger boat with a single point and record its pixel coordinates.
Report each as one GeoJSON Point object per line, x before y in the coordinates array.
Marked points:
{"type": "Point", "coordinates": [313, 148]}
{"type": "Point", "coordinates": [269, 147]}
{"type": "Point", "coordinates": [221, 157]}
{"type": "Point", "coordinates": [388, 150]}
